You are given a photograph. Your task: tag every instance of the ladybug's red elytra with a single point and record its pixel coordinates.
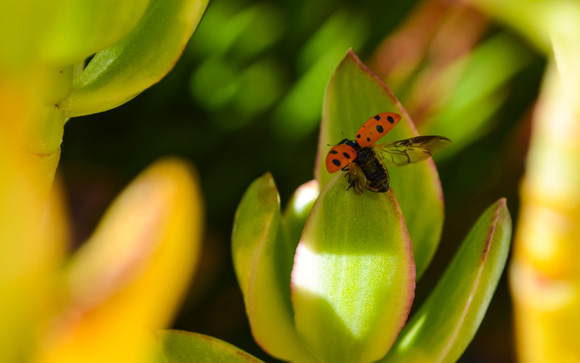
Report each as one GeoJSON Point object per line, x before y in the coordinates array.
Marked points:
{"type": "Point", "coordinates": [365, 162]}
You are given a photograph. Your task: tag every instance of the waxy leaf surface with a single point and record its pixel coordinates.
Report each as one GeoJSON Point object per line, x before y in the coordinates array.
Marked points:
{"type": "Point", "coordinates": [263, 263]}
{"type": "Point", "coordinates": [63, 32]}
{"type": "Point", "coordinates": [353, 279]}
{"type": "Point", "coordinates": [127, 280]}
{"type": "Point", "coordinates": [296, 213]}
{"type": "Point", "coordinates": [445, 324]}
{"type": "Point", "coordinates": [354, 95]}
{"type": "Point", "coordinates": [28, 258]}
{"type": "Point", "coordinates": [184, 347]}
{"type": "Point", "coordinates": [79, 29]}
{"type": "Point", "coordinates": [119, 73]}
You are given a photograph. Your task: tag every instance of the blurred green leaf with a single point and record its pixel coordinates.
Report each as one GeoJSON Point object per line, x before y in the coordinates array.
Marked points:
{"type": "Point", "coordinates": [472, 89]}
{"type": "Point", "coordinates": [215, 83]}
{"type": "Point", "coordinates": [299, 110]}
{"type": "Point", "coordinates": [213, 38]}
{"type": "Point", "coordinates": [64, 32]}
{"type": "Point", "coordinates": [297, 212]}
{"type": "Point", "coordinates": [353, 280]}
{"type": "Point", "coordinates": [261, 86]}
{"type": "Point", "coordinates": [445, 324]}
{"type": "Point", "coordinates": [537, 20]}
{"type": "Point", "coordinates": [355, 94]}
{"type": "Point", "coordinates": [119, 73]}
{"type": "Point", "coordinates": [255, 29]}
{"type": "Point", "coordinates": [230, 30]}
{"type": "Point", "coordinates": [81, 28]}
{"type": "Point", "coordinates": [263, 266]}
{"type": "Point", "coordinates": [23, 26]}
{"type": "Point", "coordinates": [223, 87]}
{"type": "Point", "coordinates": [182, 347]}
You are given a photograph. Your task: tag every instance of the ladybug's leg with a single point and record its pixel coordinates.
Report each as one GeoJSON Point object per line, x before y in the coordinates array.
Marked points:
{"type": "Point", "coordinates": [356, 179]}
{"type": "Point", "coordinates": [346, 169]}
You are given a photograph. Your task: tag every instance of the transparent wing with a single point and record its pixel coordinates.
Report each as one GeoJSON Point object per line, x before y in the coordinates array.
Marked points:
{"type": "Point", "coordinates": [409, 151]}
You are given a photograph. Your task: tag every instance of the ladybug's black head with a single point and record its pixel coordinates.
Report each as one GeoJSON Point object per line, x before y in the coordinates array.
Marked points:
{"type": "Point", "coordinates": [351, 143]}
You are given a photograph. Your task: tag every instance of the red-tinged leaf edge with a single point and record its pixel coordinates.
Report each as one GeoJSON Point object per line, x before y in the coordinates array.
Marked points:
{"type": "Point", "coordinates": [184, 347]}
{"type": "Point", "coordinates": [354, 94]}
{"type": "Point", "coordinates": [447, 321]}
{"type": "Point", "coordinates": [353, 279]}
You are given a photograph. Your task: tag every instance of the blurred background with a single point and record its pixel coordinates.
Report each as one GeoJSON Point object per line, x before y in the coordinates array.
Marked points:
{"type": "Point", "coordinates": [246, 98]}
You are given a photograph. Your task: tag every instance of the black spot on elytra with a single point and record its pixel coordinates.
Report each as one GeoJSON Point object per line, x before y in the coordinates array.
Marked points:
{"type": "Point", "coordinates": [380, 128]}
{"type": "Point", "coordinates": [358, 136]}
{"type": "Point", "coordinates": [377, 117]}
{"type": "Point", "coordinates": [391, 119]}
{"type": "Point", "coordinates": [333, 152]}
{"type": "Point", "coordinates": [346, 155]}
{"type": "Point", "coordinates": [368, 139]}
{"type": "Point", "coordinates": [336, 162]}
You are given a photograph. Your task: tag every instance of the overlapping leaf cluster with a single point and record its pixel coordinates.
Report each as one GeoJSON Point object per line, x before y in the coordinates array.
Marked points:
{"type": "Point", "coordinates": [98, 308]}
{"type": "Point", "coordinates": [332, 278]}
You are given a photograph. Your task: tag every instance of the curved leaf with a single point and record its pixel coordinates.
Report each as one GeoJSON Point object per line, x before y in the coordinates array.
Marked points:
{"type": "Point", "coordinates": [537, 20]}
{"type": "Point", "coordinates": [22, 27]}
{"type": "Point", "coordinates": [81, 28]}
{"type": "Point", "coordinates": [63, 32]}
{"type": "Point", "coordinates": [128, 279]}
{"type": "Point", "coordinates": [182, 347]}
{"type": "Point", "coordinates": [297, 212]}
{"type": "Point", "coordinates": [263, 264]}
{"type": "Point", "coordinates": [354, 94]}
{"type": "Point", "coordinates": [353, 279]}
{"type": "Point", "coordinates": [544, 272]}
{"type": "Point", "coordinates": [473, 88]}
{"type": "Point", "coordinates": [445, 324]}
{"type": "Point", "coordinates": [119, 73]}
{"type": "Point", "coordinates": [28, 261]}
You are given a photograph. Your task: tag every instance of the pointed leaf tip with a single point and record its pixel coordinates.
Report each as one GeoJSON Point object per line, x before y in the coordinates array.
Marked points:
{"type": "Point", "coordinates": [353, 279]}
{"type": "Point", "coordinates": [262, 261]}
{"type": "Point", "coordinates": [446, 323]}
{"type": "Point", "coordinates": [185, 347]}
{"type": "Point", "coordinates": [128, 279]}
{"type": "Point", "coordinates": [353, 95]}
{"type": "Point", "coordinates": [119, 73]}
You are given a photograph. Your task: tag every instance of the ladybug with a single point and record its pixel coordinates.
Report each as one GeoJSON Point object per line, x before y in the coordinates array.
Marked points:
{"type": "Point", "coordinates": [365, 162]}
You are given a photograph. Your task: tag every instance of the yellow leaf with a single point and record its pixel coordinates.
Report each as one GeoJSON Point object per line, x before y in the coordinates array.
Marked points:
{"type": "Point", "coordinates": [128, 279]}
{"type": "Point", "coordinates": [26, 261]}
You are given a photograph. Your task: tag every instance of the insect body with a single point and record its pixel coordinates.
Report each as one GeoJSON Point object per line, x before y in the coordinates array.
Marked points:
{"type": "Point", "coordinates": [365, 161]}
{"type": "Point", "coordinates": [374, 171]}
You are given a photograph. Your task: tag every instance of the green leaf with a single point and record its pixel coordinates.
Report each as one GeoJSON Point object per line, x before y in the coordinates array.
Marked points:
{"type": "Point", "coordinates": [119, 73]}
{"type": "Point", "coordinates": [263, 264]}
{"type": "Point", "coordinates": [354, 278]}
{"type": "Point", "coordinates": [182, 347]}
{"type": "Point", "coordinates": [297, 212]}
{"type": "Point", "coordinates": [473, 88]}
{"type": "Point", "coordinates": [355, 94]}
{"type": "Point", "coordinates": [22, 27]}
{"type": "Point", "coordinates": [64, 32]}
{"type": "Point", "coordinates": [81, 28]}
{"type": "Point", "coordinates": [298, 112]}
{"type": "Point", "coordinates": [537, 20]}
{"type": "Point", "coordinates": [445, 324]}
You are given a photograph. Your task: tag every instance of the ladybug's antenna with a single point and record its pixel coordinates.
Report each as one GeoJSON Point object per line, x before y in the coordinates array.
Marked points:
{"type": "Point", "coordinates": [342, 133]}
